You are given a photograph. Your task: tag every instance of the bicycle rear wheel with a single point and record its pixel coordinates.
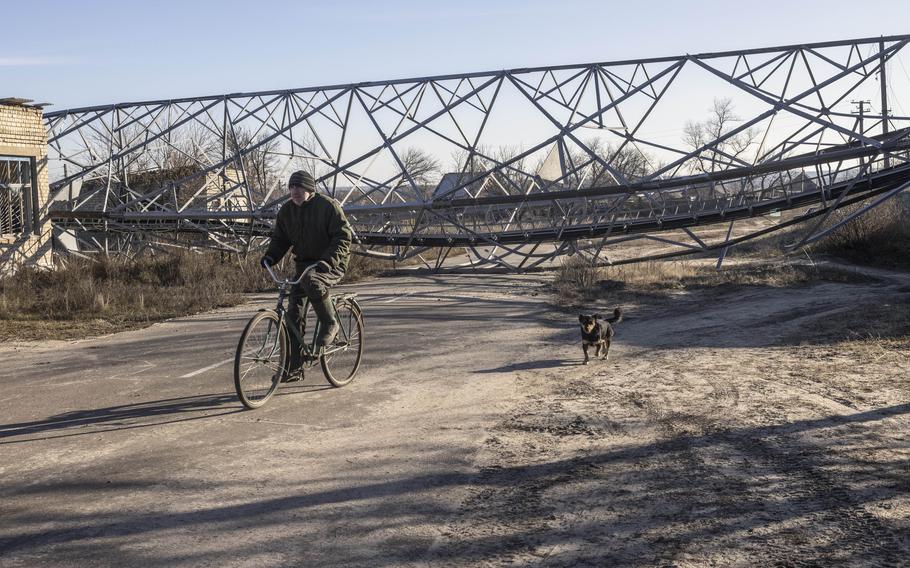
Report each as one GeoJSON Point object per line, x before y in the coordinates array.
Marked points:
{"type": "Point", "coordinates": [342, 359]}
{"type": "Point", "coordinates": [261, 359]}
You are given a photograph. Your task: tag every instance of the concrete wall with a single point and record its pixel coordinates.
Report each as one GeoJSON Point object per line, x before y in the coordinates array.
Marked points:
{"type": "Point", "coordinates": [22, 134]}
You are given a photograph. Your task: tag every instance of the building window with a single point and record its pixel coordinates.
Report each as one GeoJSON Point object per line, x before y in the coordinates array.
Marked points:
{"type": "Point", "coordinates": [16, 185]}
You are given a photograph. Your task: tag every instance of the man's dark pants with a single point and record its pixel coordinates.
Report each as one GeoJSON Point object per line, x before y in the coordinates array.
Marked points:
{"type": "Point", "coordinates": [314, 286]}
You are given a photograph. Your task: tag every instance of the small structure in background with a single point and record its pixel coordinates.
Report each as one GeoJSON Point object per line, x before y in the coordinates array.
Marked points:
{"type": "Point", "coordinates": [24, 238]}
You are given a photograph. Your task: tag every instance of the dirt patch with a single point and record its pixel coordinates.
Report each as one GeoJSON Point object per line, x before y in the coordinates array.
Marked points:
{"type": "Point", "coordinates": [886, 323]}
{"type": "Point", "coordinates": [757, 426]}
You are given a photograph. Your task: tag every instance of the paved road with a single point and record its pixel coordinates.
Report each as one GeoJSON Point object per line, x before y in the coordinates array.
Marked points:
{"type": "Point", "coordinates": [731, 427]}
{"type": "Point", "coordinates": [133, 450]}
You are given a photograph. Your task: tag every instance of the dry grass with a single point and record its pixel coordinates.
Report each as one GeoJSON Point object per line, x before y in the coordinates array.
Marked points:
{"type": "Point", "coordinates": [89, 297]}
{"type": "Point", "coordinates": [106, 295]}
{"type": "Point", "coordinates": [880, 237]}
{"type": "Point", "coordinates": [885, 326]}
{"type": "Point", "coordinates": [363, 267]}
{"type": "Point", "coordinates": [578, 281]}
{"type": "Point", "coordinates": [866, 335]}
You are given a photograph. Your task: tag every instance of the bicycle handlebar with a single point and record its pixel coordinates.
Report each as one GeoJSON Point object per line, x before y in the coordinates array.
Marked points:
{"type": "Point", "coordinates": [288, 281]}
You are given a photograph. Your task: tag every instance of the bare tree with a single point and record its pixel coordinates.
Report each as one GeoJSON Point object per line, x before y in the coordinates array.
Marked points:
{"type": "Point", "coordinates": [512, 174]}
{"type": "Point", "coordinates": [259, 165]}
{"type": "Point", "coordinates": [515, 176]}
{"type": "Point", "coordinates": [147, 163]}
{"type": "Point", "coordinates": [475, 163]}
{"type": "Point", "coordinates": [190, 146]}
{"type": "Point", "coordinates": [724, 154]}
{"type": "Point", "coordinates": [308, 155]}
{"type": "Point", "coordinates": [423, 168]}
{"type": "Point", "coordinates": [628, 160]}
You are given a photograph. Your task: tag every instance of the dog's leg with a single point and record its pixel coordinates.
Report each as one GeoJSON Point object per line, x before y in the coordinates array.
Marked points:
{"type": "Point", "coordinates": [607, 349]}
{"type": "Point", "coordinates": [584, 347]}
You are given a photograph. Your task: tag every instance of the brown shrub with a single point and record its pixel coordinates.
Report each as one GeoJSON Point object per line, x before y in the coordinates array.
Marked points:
{"type": "Point", "coordinates": [362, 267]}
{"type": "Point", "coordinates": [145, 289]}
{"type": "Point", "coordinates": [878, 237]}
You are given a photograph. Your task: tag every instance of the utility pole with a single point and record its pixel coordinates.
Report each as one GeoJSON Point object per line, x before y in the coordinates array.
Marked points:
{"type": "Point", "coordinates": [883, 80]}
{"type": "Point", "coordinates": [862, 111]}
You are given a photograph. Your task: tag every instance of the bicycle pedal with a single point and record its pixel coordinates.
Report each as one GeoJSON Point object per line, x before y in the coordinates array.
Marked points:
{"type": "Point", "coordinates": [292, 376]}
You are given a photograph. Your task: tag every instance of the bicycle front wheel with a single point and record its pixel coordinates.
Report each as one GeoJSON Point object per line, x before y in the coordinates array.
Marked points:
{"type": "Point", "coordinates": [342, 359]}
{"type": "Point", "coordinates": [260, 360]}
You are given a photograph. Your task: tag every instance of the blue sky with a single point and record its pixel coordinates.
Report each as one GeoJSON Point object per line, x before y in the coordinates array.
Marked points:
{"type": "Point", "coordinates": [101, 51]}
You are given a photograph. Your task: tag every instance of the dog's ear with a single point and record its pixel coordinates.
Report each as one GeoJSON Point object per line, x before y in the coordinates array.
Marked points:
{"type": "Point", "coordinates": [581, 318]}
{"type": "Point", "coordinates": [596, 316]}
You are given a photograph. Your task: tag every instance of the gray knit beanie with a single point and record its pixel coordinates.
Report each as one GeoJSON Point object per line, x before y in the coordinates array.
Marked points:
{"type": "Point", "coordinates": [302, 179]}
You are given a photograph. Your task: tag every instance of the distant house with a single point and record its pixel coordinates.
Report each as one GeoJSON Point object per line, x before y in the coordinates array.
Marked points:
{"type": "Point", "coordinates": [550, 176]}
{"type": "Point", "coordinates": [224, 191]}
{"type": "Point", "coordinates": [461, 185]}
{"type": "Point", "coordinates": [215, 191]}
{"type": "Point", "coordinates": [782, 184]}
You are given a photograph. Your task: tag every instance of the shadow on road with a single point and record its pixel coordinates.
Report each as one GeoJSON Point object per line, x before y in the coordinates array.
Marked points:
{"type": "Point", "coordinates": [123, 416]}
{"type": "Point", "coordinates": [531, 365]}
{"type": "Point", "coordinates": [637, 496]}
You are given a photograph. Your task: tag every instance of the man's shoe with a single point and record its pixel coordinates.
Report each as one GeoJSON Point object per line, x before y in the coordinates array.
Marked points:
{"type": "Point", "coordinates": [293, 375]}
{"type": "Point", "coordinates": [294, 370]}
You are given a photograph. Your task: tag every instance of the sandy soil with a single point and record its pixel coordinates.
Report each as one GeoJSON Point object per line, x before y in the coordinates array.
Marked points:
{"type": "Point", "coordinates": [730, 429]}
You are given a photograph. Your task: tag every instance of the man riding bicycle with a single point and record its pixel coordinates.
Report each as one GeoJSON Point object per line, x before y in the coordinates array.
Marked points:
{"type": "Point", "coordinates": [315, 226]}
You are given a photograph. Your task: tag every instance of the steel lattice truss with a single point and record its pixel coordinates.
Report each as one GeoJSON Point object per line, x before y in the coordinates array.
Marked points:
{"type": "Point", "coordinates": [516, 166]}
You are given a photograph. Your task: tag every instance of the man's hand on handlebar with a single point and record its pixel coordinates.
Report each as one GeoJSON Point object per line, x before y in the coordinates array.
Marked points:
{"type": "Point", "coordinates": [322, 266]}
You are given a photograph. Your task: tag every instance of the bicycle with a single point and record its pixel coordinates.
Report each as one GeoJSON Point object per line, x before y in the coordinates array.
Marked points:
{"type": "Point", "coordinates": [261, 361]}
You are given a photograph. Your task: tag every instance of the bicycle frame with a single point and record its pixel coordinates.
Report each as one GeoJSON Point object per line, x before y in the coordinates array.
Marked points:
{"type": "Point", "coordinates": [309, 353]}
{"type": "Point", "coordinates": [260, 346]}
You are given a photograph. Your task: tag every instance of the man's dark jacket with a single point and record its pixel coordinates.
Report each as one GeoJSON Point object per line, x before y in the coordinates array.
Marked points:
{"type": "Point", "coordinates": [317, 229]}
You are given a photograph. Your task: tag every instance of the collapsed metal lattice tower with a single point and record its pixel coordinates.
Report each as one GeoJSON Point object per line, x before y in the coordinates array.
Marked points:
{"type": "Point", "coordinates": [517, 166]}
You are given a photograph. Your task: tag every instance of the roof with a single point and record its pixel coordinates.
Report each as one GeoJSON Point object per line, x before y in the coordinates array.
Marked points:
{"type": "Point", "coordinates": [16, 101]}
{"type": "Point", "coordinates": [450, 181]}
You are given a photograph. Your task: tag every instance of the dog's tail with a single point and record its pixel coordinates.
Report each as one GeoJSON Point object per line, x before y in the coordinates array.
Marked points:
{"type": "Point", "coordinates": [617, 316]}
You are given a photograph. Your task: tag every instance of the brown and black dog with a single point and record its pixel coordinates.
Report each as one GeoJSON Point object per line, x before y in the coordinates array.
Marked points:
{"type": "Point", "coordinates": [598, 332]}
